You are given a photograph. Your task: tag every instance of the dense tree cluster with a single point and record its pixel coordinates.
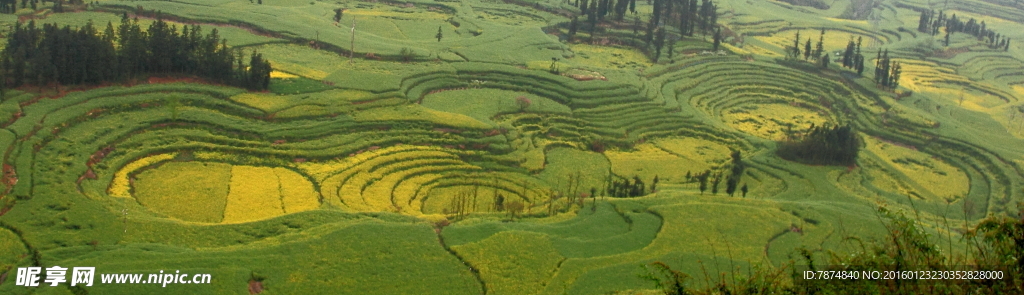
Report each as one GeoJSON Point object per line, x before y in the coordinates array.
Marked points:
{"type": "Point", "coordinates": [823, 145]}
{"type": "Point", "coordinates": [84, 55]}
{"type": "Point", "coordinates": [627, 189]}
{"type": "Point", "coordinates": [930, 23]}
{"type": "Point", "coordinates": [887, 72]}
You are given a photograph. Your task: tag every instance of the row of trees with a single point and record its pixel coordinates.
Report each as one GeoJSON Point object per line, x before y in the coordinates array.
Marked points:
{"type": "Point", "coordinates": [852, 57]}
{"type": "Point", "coordinates": [686, 16]}
{"type": "Point", "coordinates": [598, 9]}
{"type": "Point", "coordinates": [887, 72]}
{"type": "Point", "coordinates": [11, 6]}
{"type": "Point", "coordinates": [930, 23]}
{"type": "Point", "coordinates": [732, 180]}
{"type": "Point", "coordinates": [84, 55]}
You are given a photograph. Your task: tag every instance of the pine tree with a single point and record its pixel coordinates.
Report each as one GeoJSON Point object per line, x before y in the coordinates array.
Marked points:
{"type": "Point", "coordinates": [715, 182]}
{"type": "Point", "coordinates": [807, 49]}
{"type": "Point", "coordinates": [922, 23]}
{"type": "Point", "coordinates": [592, 18]}
{"type": "Point", "coordinates": [856, 51]}
{"type": "Point", "coordinates": [703, 179]}
{"type": "Point", "coordinates": [636, 25]}
{"type": "Point", "coordinates": [717, 39]}
{"type": "Point", "coordinates": [654, 185]}
{"type": "Point", "coordinates": [730, 185]}
{"type": "Point", "coordinates": [820, 47]}
{"type": "Point", "coordinates": [743, 189]}
{"type": "Point", "coordinates": [659, 41]}
{"type": "Point", "coordinates": [439, 34]}
{"type": "Point", "coordinates": [796, 46]}
{"type": "Point", "coordinates": [573, 26]}
{"type": "Point", "coordinates": [895, 75]}
{"type": "Point", "coordinates": [620, 9]}
{"type": "Point", "coordinates": [859, 60]}
{"type": "Point", "coordinates": [848, 54]}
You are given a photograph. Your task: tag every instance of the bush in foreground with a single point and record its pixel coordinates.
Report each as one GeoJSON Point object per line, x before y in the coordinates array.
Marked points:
{"type": "Point", "coordinates": [995, 244]}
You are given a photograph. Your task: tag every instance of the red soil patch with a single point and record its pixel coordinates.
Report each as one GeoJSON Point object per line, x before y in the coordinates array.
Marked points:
{"type": "Point", "coordinates": [255, 287]}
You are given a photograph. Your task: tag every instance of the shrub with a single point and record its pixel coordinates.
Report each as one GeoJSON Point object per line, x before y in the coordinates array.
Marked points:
{"type": "Point", "coordinates": [407, 54]}
{"type": "Point", "coordinates": [523, 103]}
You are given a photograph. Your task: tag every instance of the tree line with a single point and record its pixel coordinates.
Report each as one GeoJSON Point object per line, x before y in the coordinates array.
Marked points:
{"type": "Point", "coordinates": [732, 180]}
{"type": "Point", "coordinates": [52, 54]}
{"type": "Point", "coordinates": [930, 23]}
{"type": "Point", "coordinates": [636, 188]}
{"type": "Point", "coordinates": [686, 16]}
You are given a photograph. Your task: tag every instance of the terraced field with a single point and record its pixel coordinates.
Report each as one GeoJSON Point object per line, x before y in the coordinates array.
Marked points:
{"type": "Point", "coordinates": [485, 160]}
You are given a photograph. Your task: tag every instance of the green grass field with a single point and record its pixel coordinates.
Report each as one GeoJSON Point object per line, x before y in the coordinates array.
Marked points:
{"type": "Point", "coordinates": [410, 168]}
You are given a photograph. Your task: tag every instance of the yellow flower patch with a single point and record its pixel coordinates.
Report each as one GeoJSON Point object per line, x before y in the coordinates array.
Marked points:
{"type": "Point", "coordinates": [297, 193]}
{"type": "Point", "coordinates": [767, 120]}
{"type": "Point", "coordinates": [282, 75]}
{"type": "Point", "coordinates": [254, 195]}
{"type": "Point", "coordinates": [648, 160]}
{"type": "Point", "coordinates": [190, 191]}
{"type": "Point", "coordinates": [266, 102]}
{"type": "Point", "coordinates": [120, 186]}
{"type": "Point", "coordinates": [937, 177]}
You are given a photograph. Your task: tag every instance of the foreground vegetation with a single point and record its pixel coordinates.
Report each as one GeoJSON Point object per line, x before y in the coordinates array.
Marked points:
{"type": "Point", "coordinates": [908, 252]}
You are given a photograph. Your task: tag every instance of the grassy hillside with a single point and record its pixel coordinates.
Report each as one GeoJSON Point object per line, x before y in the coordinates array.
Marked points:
{"type": "Point", "coordinates": [391, 161]}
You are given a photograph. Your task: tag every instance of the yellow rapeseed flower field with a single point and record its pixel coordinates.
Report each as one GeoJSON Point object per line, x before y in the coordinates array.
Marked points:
{"type": "Point", "coordinates": [190, 191]}
{"type": "Point", "coordinates": [647, 160]}
{"type": "Point", "coordinates": [938, 177]}
{"type": "Point", "coordinates": [297, 192]}
{"type": "Point", "coordinates": [764, 121]}
{"type": "Point", "coordinates": [254, 195]}
{"type": "Point", "coordinates": [669, 159]}
{"type": "Point", "coordinates": [120, 186]}
{"type": "Point", "coordinates": [263, 101]}
{"type": "Point", "coordinates": [513, 262]}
